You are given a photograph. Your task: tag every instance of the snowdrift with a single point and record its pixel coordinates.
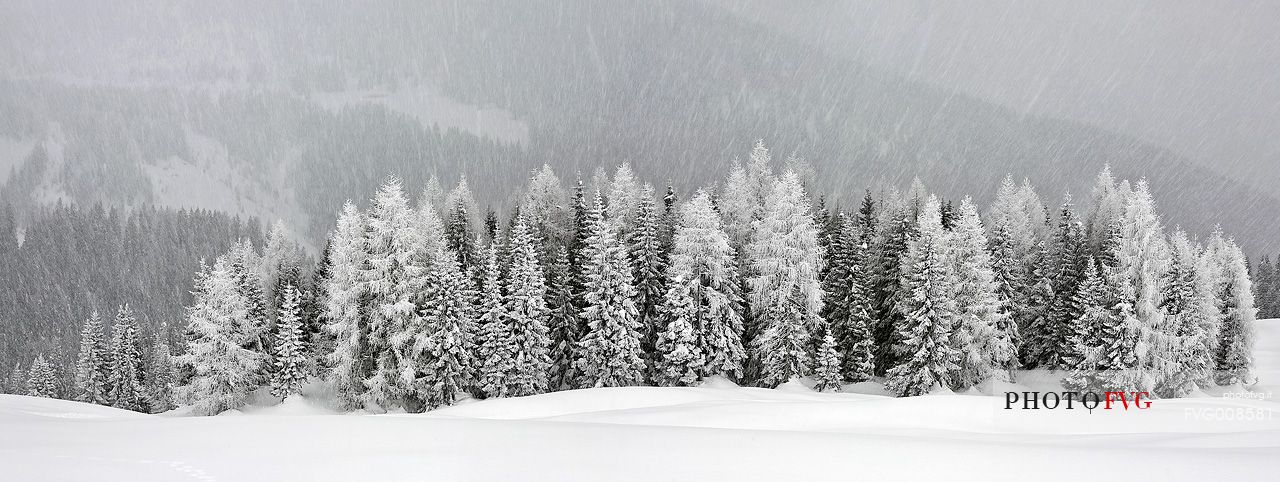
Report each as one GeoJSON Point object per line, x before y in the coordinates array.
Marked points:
{"type": "Point", "coordinates": [714, 432]}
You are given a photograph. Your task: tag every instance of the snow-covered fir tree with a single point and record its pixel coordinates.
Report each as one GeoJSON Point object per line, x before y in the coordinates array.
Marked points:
{"type": "Point", "coordinates": [785, 293]}
{"type": "Point", "coordinates": [1105, 210]}
{"type": "Point", "coordinates": [523, 329]}
{"type": "Point", "coordinates": [928, 313]}
{"type": "Point", "coordinates": [1009, 278]}
{"type": "Point", "coordinates": [244, 264]}
{"type": "Point", "coordinates": [346, 313]}
{"type": "Point", "coordinates": [623, 207]}
{"type": "Point", "coordinates": [736, 203]}
{"type": "Point", "coordinates": [981, 333]}
{"type": "Point", "coordinates": [494, 346]}
{"type": "Point", "coordinates": [1233, 358]}
{"type": "Point", "coordinates": [667, 222]}
{"type": "Point", "coordinates": [679, 361]}
{"type": "Point", "coordinates": [41, 379]}
{"type": "Point", "coordinates": [609, 354]}
{"type": "Point", "coordinates": [1083, 355]}
{"type": "Point", "coordinates": [847, 307]}
{"type": "Point", "coordinates": [429, 219]}
{"type": "Point", "coordinates": [547, 211]}
{"type": "Point", "coordinates": [93, 363]}
{"type": "Point", "coordinates": [827, 365]}
{"type": "Point", "coordinates": [161, 376]}
{"type": "Point", "coordinates": [290, 364]}
{"type": "Point", "coordinates": [1209, 300]}
{"type": "Point", "coordinates": [462, 223]}
{"type": "Point", "coordinates": [647, 269]}
{"type": "Point", "coordinates": [1016, 225]}
{"type": "Point", "coordinates": [1142, 255]}
{"type": "Point", "coordinates": [125, 381]}
{"type": "Point", "coordinates": [1040, 337]}
{"type": "Point", "coordinates": [1069, 249]}
{"type": "Point", "coordinates": [702, 260]}
{"type": "Point", "coordinates": [1121, 338]}
{"type": "Point", "coordinates": [562, 321]}
{"type": "Point", "coordinates": [442, 341]}
{"type": "Point", "coordinates": [894, 228]}
{"type": "Point", "coordinates": [222, 363]}
{"type": "Point", "coordinates": [16, 384]}
{"type": "Point", "coordinates": [393, 275]}
{"type": "Point", "coordinates": [281, 257]}
{"type": "Point", "coordinates": [1186, 311]}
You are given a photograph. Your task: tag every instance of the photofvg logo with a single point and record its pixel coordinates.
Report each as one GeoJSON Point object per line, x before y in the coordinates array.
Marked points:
{"type": "Point", "coordinates": [1072, 400]}
{"type": "Point", "coordinates": [1044, 392]}
{"type": "Point", "coordinates": [1087, 391]}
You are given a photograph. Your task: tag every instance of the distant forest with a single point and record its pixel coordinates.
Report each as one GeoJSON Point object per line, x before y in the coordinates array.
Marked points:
{"type": "Point", "coordinates": [74, 260]}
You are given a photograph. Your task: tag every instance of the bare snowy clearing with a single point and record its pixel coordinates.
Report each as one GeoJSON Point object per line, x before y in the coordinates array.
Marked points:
{"type": "Point", "coordinates": [716, 431]}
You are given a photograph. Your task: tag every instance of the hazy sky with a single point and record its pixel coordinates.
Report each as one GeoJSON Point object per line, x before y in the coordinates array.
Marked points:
{"type": "Point", "coordinates": [1200, 77]}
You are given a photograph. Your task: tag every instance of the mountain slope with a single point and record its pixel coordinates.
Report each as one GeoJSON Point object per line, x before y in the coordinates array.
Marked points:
{"type": "Point", "coordinates": [675, 88]}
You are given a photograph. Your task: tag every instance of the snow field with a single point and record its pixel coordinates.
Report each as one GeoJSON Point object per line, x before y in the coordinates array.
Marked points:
{"type": "Point", "coordinates": [717, 431]}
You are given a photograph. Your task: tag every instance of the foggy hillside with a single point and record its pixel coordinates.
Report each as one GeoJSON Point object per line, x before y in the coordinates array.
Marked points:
{"type": "Point", "coordinates": [286, 110]}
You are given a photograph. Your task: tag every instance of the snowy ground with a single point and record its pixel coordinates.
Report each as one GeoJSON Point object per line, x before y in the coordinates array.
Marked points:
{"type": "Point", "coordinates": [714, 432]}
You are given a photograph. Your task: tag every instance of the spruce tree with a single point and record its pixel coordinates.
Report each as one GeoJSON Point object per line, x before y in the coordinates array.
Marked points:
{"type": "Point", "coordinates": [290, 370]}
{"type": "Point", "coordinates": [443, 341]}
{"type": "Point", "coordinates": [495, 346]}
{"type": "Point", "coordinates": [244, 262]}
{"type": "Point", "coordinates": [162, 377]}
{"type": "Point", "coordinates": [221, 360]}
{"type": "Point", "coordinates": [847, 307]}
{"type": "Point", "coordinates": [1233, 358]}
{"type": "Point", "coordinates": [623, 207]}
{"type": "Point", "coordinates": [1083, 355]}
{"type": "Point", "coordinates": [1009, 279]}
{"type": "Point", "coordinates": [93, 364]}
{"type": "Point", "coordinates": [895, 227]}
{"type": "Point", "coordinates": [1185, 316]}
{"type": "Point", "coordinates": [827, 371]}
{"type": "Point", "coordinates": [1104, 213]}
{"type": "Point", "coordinates": [525, 323]}
{"type": "Point", "coordinates": [125, 380]}
{"type": "Point", "coordinates": [1069, 249]}
{"type": "Point", "coordinates": [17, 382]}
{"type": "Point", "coordinates": [609, 354]}
{"type": "Point", "coordinates": [459, 232]}
{"type": "Point", "coordinates": [985, 347]}
{"type": "Point", "coordinates": [679, 361]}
{"type": "Point", "coordinates": [929, 313]}
{"type": "Point", "coordinates": [562, 321]}
{"type": "Point", "coordinates": [281, 263]}
{"type": "Point", "coordinates": [1041, 344]}
{"type": "Point", "coordinates": [667, 223]}
{"type": "Point", "coordinates": [647, 264]}
{"type": "Point", "coordinates": [41, 380]}
{"type": "Point", "coordinates": [1018, 230]}
{"type": "Point", "coordinates": [1121, 337]}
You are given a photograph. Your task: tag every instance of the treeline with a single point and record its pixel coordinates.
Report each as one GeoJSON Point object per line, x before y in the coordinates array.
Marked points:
{"type": "Point", "coordinates": [67, 261]}
{"type": "Point", "coordinates": [413, 307]}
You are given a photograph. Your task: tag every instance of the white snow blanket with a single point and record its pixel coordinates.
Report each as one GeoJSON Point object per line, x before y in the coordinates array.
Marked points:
{"type": "Point", "coordinates": [714, 432]}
